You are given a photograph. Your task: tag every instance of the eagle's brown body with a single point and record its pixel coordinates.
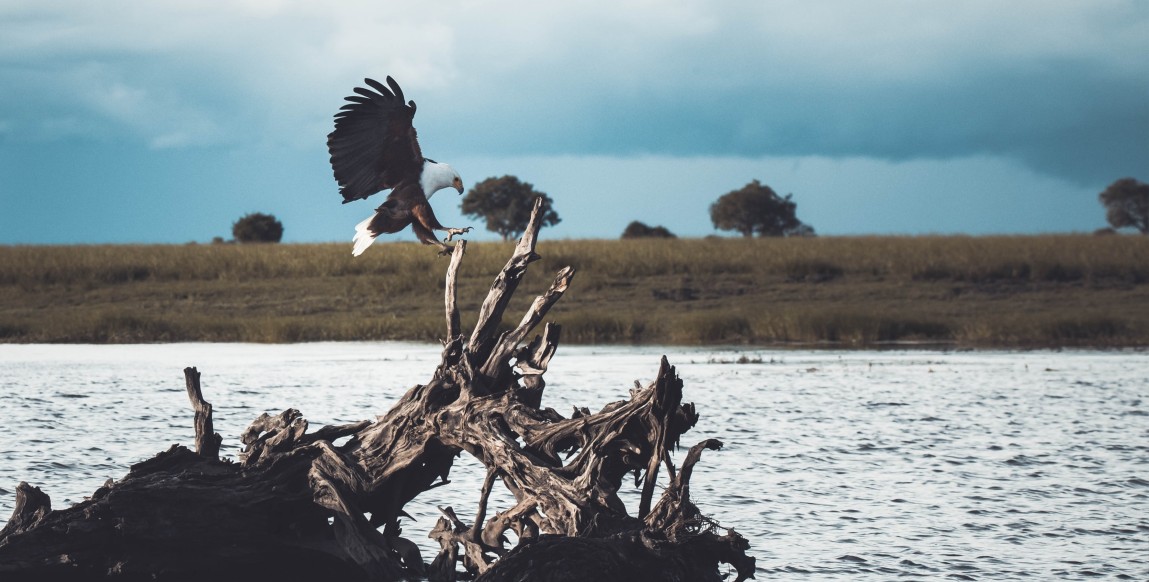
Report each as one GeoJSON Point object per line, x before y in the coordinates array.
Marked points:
{"type": "Point", "coordinates": [407, 205]}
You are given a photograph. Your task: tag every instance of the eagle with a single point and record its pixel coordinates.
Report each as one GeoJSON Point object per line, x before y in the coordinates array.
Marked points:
{"type": "Point", "coordinates": [374, 147]}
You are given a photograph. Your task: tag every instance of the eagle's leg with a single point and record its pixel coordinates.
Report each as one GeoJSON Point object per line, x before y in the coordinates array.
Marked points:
{"type": "Point", "coordinates": [427, 237]}
{"type": "Point", "coordinates": [425, 225]}
{"type": "Point", "coordinates": [453, 232]}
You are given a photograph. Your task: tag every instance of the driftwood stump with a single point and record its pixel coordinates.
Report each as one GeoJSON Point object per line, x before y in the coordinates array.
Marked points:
{"type": "Point", "coordinates": [296, 505]}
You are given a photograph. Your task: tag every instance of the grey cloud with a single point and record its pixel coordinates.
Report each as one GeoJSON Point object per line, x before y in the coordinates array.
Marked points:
{"type": "Point", "coordinates": [1068, 107]}
{"type": "Point", "coordinates": [1061, 87]}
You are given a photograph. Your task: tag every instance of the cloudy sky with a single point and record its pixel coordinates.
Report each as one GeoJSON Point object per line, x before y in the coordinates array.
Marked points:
{"type": "Point", "coordinates": [164, 121]}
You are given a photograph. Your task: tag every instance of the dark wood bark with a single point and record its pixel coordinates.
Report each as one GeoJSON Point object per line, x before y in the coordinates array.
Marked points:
{"type": "Point", "coordinates": [296, 504]}
{"type": "Point", "coordinates": [207, 441]}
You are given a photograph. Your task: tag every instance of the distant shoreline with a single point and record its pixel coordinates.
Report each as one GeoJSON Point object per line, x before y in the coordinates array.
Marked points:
{"type": "Point", "coordinates": [929, 293]}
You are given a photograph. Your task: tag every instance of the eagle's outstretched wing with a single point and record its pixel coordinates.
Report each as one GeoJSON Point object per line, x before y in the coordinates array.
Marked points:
{"type": "Point", "coordinates": [374, 145]}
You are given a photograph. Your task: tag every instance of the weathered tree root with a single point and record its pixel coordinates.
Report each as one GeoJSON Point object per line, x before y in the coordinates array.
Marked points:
{"type": "Point", "coordinates": [297, 505]}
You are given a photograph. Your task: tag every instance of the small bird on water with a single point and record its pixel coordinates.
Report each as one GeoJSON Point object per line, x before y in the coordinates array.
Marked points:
{"type": "Point", "coordinates": [374, 147]}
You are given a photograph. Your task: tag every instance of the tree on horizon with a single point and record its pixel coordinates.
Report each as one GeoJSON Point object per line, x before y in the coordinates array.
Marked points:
{"type": "Point", "coordinates": [1126, 203]}
{"type": "Point", "coordinates": [257, 227]}
{"type": "Point", "coordinates": [505, 205]}
{"type": "Point", "coordinates": [758, 209]}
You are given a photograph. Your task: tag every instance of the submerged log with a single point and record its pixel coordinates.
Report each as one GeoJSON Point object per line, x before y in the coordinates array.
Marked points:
{"type": "Point", "coordinates": [297, 504]}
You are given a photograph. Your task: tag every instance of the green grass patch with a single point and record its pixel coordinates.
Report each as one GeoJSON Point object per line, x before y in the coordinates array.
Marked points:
{"type": "Point", "coordinates": [1065, 290]}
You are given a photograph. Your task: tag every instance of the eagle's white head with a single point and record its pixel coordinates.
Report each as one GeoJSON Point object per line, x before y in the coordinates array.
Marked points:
{"type": "Point", "coordinates": [437, 176]}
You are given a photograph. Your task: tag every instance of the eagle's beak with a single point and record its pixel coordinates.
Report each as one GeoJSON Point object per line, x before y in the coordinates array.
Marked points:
{"type": "Point", "coordinates": [459, 187]}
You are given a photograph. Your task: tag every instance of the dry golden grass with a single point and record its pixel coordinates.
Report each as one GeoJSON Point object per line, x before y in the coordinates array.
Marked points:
{"type": "Point", "coordinates": [1022, 291]}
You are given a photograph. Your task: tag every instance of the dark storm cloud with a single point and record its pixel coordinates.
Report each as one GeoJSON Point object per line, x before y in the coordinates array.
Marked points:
{"type": "Point", "coordinates": [226, 103]}
{"type": "Point", "coordinates": [1056, 85]}
{"type": "Point", "coordinates": [1078, 112]}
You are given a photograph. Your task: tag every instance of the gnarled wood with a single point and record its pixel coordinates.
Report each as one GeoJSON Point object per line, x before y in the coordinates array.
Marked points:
{"type": "Point", "coordinates": [504, 286]}
{"type": "Point", "coordinates": [32, 505]}
{"type": "Point", "coordinates": [449, 291]}
{"type": "Point", "coordinates": [207, 441]}
{"type": "Point", "coordinates": [298, 505]}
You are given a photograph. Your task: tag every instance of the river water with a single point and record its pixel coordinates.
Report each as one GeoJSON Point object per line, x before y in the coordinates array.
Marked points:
{"type": "Point", "coordinates": [837, 465]}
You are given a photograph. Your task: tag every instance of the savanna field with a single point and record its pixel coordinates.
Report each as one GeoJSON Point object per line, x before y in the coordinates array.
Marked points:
{"type": "Point", "coordinates": [992, 292]}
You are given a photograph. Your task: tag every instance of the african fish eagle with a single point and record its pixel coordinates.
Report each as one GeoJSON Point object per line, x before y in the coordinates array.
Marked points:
{"type": "Point", "coordinates": [374, 147]}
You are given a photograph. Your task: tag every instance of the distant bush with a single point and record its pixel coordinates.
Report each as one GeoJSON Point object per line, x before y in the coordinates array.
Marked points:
{"type": "Point", "coordinates": [1126, 203]}
{"type": "Point", "coordinates": [638, 229]}
{"type": "Point", "coordinates": [257, 227]}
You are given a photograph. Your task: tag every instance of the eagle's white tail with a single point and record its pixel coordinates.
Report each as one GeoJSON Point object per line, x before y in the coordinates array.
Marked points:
{"type": "Point", "coordinates": [363, 236]}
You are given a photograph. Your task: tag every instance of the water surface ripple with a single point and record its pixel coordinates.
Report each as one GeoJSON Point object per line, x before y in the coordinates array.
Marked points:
{"type": "Point", "coordinates": [837, 465]}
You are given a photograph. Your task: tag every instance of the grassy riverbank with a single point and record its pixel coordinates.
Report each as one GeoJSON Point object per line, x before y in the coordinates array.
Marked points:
{"type": "Point", "coordinates": [1034, 291]}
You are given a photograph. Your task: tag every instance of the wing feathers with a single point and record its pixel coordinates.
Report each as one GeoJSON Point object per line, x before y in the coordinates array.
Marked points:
{"type": "Point", "coordinates": [376, 85]}
{"type": "Point", "coordinates": [374, 145]}
{"type": "Point", "coordinates": [395, 87]}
